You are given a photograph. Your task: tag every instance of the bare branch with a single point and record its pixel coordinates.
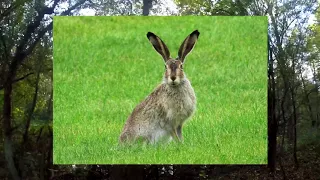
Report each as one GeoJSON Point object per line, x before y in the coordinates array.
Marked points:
{"type": "Point", "coordinates": [23, 77]}
{"type": "Point", "coordinates": [31, 28]}
{"type": "Point", "coordinates": [67, 12]}
{"type": "Point", "coordinates": [37, 39]}
{"type": "Point", "coordinates": [19, 79]}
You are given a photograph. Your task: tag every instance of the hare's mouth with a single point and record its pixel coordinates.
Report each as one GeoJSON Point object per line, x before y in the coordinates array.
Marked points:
{"type": "Point", "coordinates": [173, 84]}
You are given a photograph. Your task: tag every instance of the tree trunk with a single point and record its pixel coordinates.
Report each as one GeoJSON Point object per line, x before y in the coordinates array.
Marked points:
{"type": "Point", "coordinates": [8, 149]}
{"type": "Point", "coordinates": [29, 114]}
{"type": "Point", "coordinates": [307, 98]}
{"type": "Point", "coordinates": [272, 131]}
{"type": "Point", "coordinates": [294, 129]}
{"type": "Point", "coordinates": [281, 154]}
{"type": "Point", "coordinates": [147, 5]}
{"type": "Point", "coordinates": [49, 157]}
{"type": "Point", "coordinates": [294, 109]}
{"type": "Point", "coordinates": [50, 101]}
{"type": "Point", "coordinates": [272, 122]}
{"type": "Point", "coordinates": [31, 111]}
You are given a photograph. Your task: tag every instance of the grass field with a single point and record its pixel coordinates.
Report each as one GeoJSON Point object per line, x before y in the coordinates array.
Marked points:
{"type": "Point", "coordinates": [105, 66]}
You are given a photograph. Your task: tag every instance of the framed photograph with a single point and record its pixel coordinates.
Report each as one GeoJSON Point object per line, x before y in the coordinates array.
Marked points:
{"type": "Point", "coordinates": [160, 90]}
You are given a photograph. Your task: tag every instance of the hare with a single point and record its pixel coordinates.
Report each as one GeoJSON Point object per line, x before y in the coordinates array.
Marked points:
{"type": "Point", "coordinates": [161, 115]}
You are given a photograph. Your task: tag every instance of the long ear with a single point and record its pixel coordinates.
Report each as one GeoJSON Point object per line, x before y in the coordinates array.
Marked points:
{"type": "Point", "coordinates": [188, 45]}
{"type": "Point", "coordinates": [159, 45]}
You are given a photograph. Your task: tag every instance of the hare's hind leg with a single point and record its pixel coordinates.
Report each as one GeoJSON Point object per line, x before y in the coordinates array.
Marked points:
{"type": "Point", "coordinates": [124, 138]}
{"type": "Point", "coordinates": [127, 137]}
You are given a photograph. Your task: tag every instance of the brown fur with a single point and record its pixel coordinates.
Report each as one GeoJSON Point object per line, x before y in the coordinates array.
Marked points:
{"type": "Point", "coordinates": [162, 114]}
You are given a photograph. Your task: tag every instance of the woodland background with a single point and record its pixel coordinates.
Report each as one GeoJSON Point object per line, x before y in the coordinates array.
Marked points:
{"type": "Point", "coordinates": [26, 88]}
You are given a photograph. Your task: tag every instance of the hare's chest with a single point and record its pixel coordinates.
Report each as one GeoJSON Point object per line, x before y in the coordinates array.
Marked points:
{"type": "Point", "coordinates": [180, 107]}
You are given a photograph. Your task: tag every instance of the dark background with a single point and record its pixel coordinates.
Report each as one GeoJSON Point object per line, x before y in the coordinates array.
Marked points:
{"type": "Point", "coordinates": [26, 95]}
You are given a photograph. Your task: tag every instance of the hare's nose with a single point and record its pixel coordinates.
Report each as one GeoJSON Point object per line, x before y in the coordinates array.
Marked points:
{"type": "Point", "coordinates": [173, 78]}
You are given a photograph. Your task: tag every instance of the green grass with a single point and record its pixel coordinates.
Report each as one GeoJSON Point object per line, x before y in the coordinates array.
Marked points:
{"type": "Point", "coordinates": [105, 66]}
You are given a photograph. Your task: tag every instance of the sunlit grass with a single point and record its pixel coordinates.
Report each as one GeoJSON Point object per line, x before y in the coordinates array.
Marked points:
{"type": "Point", "coordinates": [105, 66]}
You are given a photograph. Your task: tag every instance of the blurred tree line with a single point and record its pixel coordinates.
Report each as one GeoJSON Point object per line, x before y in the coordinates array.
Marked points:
{"type": "Point", "coordinates": [26, 92]}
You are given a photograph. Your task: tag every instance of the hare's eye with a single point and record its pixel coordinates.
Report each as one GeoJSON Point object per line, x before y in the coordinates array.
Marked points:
{"type": "Point", "coordinates": [181, 67]}
{"type": "Point", "coordinates": [165, 66]}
